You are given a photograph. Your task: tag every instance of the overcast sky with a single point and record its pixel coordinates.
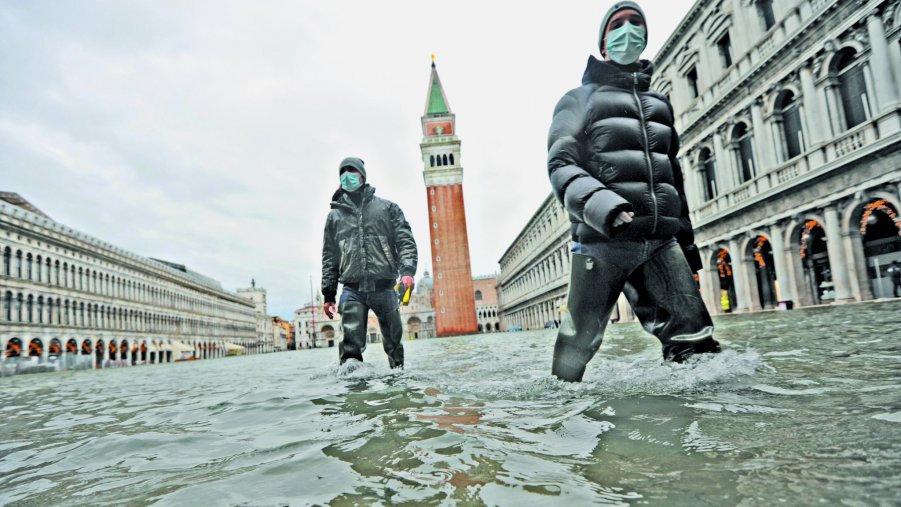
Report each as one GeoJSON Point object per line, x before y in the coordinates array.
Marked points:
{"type": "Point", "coordinates": [209, 133]}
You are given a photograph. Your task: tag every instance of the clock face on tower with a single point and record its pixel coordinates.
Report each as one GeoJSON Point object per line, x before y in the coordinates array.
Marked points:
{"type": "Point", "coordinates": [439, 128]}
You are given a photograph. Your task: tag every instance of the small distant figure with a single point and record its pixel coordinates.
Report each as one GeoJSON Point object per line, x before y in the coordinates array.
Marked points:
{"type": "Point", "coordinates": [366, 245]}
{"type": "Point", "coordinates": [612, 162]}
{"type": "Point", "coordinates": [895, 272]}
{"type": "Point", "coordinates": [253, 283]}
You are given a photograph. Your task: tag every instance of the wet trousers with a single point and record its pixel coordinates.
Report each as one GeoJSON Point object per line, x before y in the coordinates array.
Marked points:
{"type": "Point", "coordinates": [658, 284]}
{"type": "Point", "coordinates": [354, 308]}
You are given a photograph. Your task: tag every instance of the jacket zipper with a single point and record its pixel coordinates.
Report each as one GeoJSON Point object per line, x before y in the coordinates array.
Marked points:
{"type": "Point", "coordinates": [647, 153]}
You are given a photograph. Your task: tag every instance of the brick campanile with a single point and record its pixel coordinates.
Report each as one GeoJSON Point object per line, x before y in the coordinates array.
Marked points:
{"type": "Point", "coordinates": [454, 302]}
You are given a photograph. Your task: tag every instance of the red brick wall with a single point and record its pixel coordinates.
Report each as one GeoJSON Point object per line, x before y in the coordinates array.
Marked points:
{"type": "Point", "coordinates": [455, 311]}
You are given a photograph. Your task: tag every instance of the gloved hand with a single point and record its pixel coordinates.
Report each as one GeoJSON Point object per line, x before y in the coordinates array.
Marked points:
{"type": "Point", "coordinates": [329, 309]}
{"type": "Point", "coordinates": [624, 217]}
{"type": "Point", "coordinates": [408, 282]}
{"type": "Point", "coordinates": [693, 256]}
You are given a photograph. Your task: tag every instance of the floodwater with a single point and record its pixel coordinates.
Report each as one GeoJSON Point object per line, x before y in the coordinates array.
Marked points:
{"type": "Point", "coordinates": [801, 408]}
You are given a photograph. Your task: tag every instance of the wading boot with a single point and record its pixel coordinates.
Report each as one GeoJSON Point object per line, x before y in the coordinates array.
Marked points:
{"type": "Point", "coordinates": [392, 339]}
{"type": "Point", "coordinates": [593, 289]}
{"type": "Point", "coordinates": [666, 300]}
{"type": "Point", "coordinates": [353, 324]}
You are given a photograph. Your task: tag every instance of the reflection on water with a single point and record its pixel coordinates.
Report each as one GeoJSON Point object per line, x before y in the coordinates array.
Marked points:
{"type": "Point", "coordinates": [801, 408]}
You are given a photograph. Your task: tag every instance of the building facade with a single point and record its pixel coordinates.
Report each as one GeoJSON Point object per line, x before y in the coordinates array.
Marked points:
{"type": "Point", "coordinates": [485, 297]}
{"type": "Point", "coordinates": [790, 121]}
{"type": "Point", "coordinates": [789, 128]}
{"type": "Point", "coordinates": [443, 175]}
{"type": "Point", "coordinates": [419, 315]}
{"type": "Point", "coordinates": [264, 322]}
{"type": "Point", "coordinates": [68, 300]}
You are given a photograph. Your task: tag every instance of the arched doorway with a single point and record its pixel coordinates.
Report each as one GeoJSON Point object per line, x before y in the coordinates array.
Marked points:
{"type": "Point", "coordinates": [413, 327]}
{"type": "Point", "coordinates": [815, 260]}
{"type": "Point", "coordinates": [113, 351]}
{"type": "Point", "coordinates": [328, 334]}
{"type": "Point", "coordinates": [880, 228]}
{"type": "Point", "coordinates": [123, 351]}
{"type": "Point", "coordinates": [86, 348]}
{"type": "Point", "coordinates": [55, 349]}
{"type": "Point", "coordinates": [98, 354]}
{"type": "Point", "coordinates": [723, 264]}
{"type": "Point", "coordinates": [13, 348]}
{"type": "Point", "coordinates": [72, 346]}
{"type": "Point", "coordinates": [143, 352]}
{"type": "Point", "coordinates": [765, 271]}
{"type": "Point", "coordinates": [35, 348]}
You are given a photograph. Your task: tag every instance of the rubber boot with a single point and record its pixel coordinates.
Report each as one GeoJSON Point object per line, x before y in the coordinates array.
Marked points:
{"type": "Point", "coordinates": [593, 290]}
{"type": "Point", "coordinates": [354, 317]}
{"type": "Point", "coordinates": [666, 300]}
{"type": "Point", "coordinates": [392, 338]}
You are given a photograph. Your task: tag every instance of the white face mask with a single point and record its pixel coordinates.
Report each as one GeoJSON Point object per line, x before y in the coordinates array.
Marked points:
{"type": "Point", "coordinates": [625, 44]}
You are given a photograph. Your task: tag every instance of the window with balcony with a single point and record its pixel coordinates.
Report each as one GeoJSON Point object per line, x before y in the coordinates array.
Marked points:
{"type": "Point", "coordinates": [788, 112]}
{"type": "Point", "coordinates": [692, 78]}
{"type": "Point", "coordinates": [765, 9]}
{"type": "Point", "coordinates": [708, 170]}
{"type": "Point", "coordinates": [852, 87]}
{"type": "Point", "coordinates": [744, 151]}
{"type": "Point", "coordinates": [725, 48]}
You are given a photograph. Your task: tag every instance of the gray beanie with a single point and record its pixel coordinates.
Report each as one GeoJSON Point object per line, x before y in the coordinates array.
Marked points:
{"type": "Point", "coordinates": [618, 6]}
{"type": "Point", "coordinates": [355, 163]}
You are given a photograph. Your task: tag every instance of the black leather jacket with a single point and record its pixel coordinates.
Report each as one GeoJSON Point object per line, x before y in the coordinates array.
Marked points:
{"type": "Point", "coordinates": [611, 148]}
{"type": "Point", "coordinates": [367, 245]}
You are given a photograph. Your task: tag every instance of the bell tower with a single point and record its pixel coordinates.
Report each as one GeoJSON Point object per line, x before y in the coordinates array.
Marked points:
{"type": "Point", "coordinates": [454, 300]}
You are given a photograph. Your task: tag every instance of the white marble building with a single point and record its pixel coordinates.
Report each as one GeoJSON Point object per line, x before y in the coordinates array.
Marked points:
{"type": "Point", "coordinates": [265, 332]}
{"type": "Point", "coordinates": [70, 300]}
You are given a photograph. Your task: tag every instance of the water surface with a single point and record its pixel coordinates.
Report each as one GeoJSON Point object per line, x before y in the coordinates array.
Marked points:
{"type": "Point", "coordinates": [801, 408]}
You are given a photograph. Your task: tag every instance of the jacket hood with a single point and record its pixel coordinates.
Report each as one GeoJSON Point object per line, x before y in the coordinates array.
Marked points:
{"type": "Point", "coordinates": [621, 76]}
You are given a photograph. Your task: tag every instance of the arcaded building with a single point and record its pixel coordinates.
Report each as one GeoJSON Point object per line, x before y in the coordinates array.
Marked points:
{"type": "Point", "coordinates": [68, 300]}
{"type": "Point", "coordinates": [485, 296]}
{"type": "Point", "coordinates": [788, 113]}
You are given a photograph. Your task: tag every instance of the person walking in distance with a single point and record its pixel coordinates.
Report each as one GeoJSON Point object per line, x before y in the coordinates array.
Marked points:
{"type": "Point", "coordinates": [895, 272]}
{"type": "Point", "coordinates": [612, 163]}
{"type": "Point", "coordinates": [367, 244]}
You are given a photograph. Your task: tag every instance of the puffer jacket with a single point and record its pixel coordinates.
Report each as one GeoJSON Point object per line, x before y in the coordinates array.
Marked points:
{"type": "Point", "coordinates": [612, 148]}
{"type": "Point", "coordinates": [367, 245]}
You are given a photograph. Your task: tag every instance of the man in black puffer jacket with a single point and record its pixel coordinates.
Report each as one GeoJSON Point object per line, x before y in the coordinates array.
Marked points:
{"type": "Point", "coordinates": [612, 163]}
{"type": "Point", "coordinates": [367, 245]}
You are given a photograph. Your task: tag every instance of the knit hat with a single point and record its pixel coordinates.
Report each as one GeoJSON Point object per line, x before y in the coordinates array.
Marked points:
{"type": "Point", "coordinates": [618, 6]}
{"type": "Point", "coordinates": [354, 163]}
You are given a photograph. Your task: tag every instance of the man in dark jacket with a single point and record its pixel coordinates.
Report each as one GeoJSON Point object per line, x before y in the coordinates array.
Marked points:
{"type": "Point", "coordinates": [612, 163]}
{"type": "Point", "coordinates": [367, 244]}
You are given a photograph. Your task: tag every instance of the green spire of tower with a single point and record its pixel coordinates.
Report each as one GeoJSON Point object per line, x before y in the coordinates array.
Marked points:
{"type": "Point", "coordinates": [437, 103]}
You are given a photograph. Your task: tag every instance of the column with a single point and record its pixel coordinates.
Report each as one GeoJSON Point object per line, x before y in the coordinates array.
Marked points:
{"type": "Point", "coordinates": [739, 277]}
{"type": "Point", "coordinates": [724, 170]}
{"type": "Point", "coordinates": [784, 290]}
{"type": "Point", "coordinates": [689, 182]}
{"type": "Point", "coordinates": [813, 113]}
{"type": "Point", "coordinates": [764, 145]}
{"type": "Point", "coordinates": [880, 64]}
{"type": "Point", "coordinates": [711, 289]}
{"type": "Point", "coordinates": [837, 260]}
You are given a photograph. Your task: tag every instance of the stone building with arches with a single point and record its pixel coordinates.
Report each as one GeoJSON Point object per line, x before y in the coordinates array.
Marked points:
{"type": "Point", "coordinates": [790, 120]}
{"type": "Point", "coordinates": [68, 300]}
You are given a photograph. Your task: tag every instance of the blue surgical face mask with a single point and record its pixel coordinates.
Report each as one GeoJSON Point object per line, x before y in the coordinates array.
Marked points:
{"type": "Point", "coordinates": [625, 44]}
{"type": "Point", "coordinates": [351, 181]}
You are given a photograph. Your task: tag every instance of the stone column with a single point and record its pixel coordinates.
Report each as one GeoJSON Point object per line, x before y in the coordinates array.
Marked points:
{"type": "Point", "coordinates": [723, 163]}
{"type": "Point", "coordinates": [710, 278]}
{"type": "Point", "coordinates": [837, 260]}
{"type": "Point", "coordinates": [763, 137]}
{"type": "Point", "coordinates": [784, 291]}
{"type": "Point", "coordinates": [813, 113]}
{"type": "Point", "coordinates": [690, 177]}
{"type": "Point", "coordinates": [739, 277]}
{"type": "Point", "coordinates": [880, 64]}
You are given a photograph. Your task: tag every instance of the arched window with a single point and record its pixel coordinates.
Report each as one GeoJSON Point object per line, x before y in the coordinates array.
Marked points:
{"type": "Point", "coordinates": [8, 306]}
{"type": "Point", "coordinates": [56, 268]}
{"type": "Point", "coordinates": [7, 261]}
{"type": "Point", "coordinates": [789, 114]}
{"type": "Point", "coordinates": [432, 160]}
{"type": "Point", "coordinates": [707, 165]}
{"type": "Point", "coordinates": [478, 295]}
{"type": "Point", "coordinates": [59, 311]}
{"type": "Point", "coordinates": [29, 308]}
{"type": "Point", "coordinates": [48, 265]}
{"type": "Point", "coordinates": [852, 87]}
{"type": "Point", "coordinates": [38, 275]}
{"type": "Point", "coordinates": [80, 278]}
{"type": "Point", "coordinates": [741, 145]}
{"type": "Point", "coordinates": [40, 309]}
{"type": "Point", "coordinates": [444, 159]}
{"type": "Point", "coordinates": [19, 263]}
{"type": "Point", "coordinates": [29, 260]}
{"type": "Point", "coordinates": [451, 159]}
{"type": "Point", "coordinates": [20, 300]}
{"type": "Point", "coordinates": [765, 9]}
{"type": "Point", "coordinates": [50, 311]}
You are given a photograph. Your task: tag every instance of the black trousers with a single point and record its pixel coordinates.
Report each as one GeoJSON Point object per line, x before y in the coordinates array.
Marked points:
{"type": "Point", "coordinates": [354, 307]}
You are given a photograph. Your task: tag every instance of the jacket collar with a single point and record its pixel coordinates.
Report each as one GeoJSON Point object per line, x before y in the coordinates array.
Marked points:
{"type": "Point", "coordinates": [621, 76]}
{"type": "Point", "coordinates": [341, 198]}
